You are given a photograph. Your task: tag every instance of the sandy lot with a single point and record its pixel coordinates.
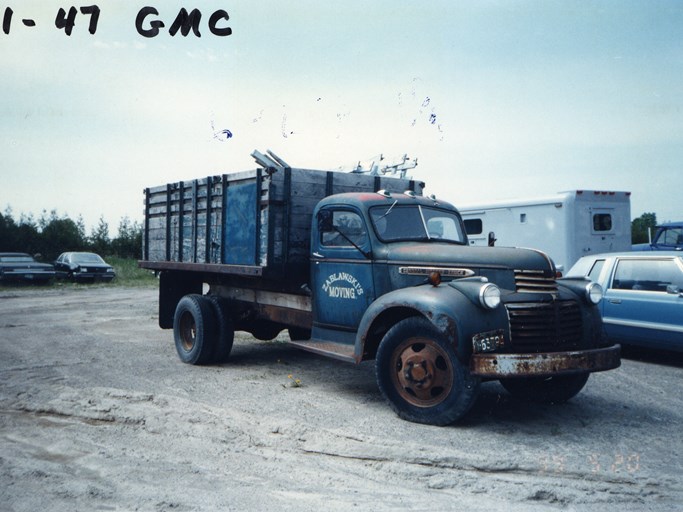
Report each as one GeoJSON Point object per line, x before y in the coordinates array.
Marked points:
{"type": "Point", "coordinates": [98, 413]}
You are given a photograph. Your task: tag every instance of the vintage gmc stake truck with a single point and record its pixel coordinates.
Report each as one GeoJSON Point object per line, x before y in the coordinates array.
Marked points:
{"type": "Point", "coordinates": [360, 267]}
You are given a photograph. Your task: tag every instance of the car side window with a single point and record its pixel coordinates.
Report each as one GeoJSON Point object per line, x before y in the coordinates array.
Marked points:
{"type": "Point", "coordinates": [652, 275]}
{"type": "Point", "coordinates": [594, 273]}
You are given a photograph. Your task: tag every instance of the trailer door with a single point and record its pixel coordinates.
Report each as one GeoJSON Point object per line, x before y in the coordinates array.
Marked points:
{"type": "Point", "coordinates": [341, 269]}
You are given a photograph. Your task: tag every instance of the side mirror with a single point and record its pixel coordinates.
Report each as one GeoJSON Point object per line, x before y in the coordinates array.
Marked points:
{"type": "Point", "coordinates": [492, 239]}
{"type": "Point", "coordinates": [673, 289]}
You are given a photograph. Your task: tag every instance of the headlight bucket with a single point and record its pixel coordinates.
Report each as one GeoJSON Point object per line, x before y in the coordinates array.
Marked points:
{"type": "Point", "coordinates": [489, 296]}
{"type": "Point", "coordinates": [594, 293]}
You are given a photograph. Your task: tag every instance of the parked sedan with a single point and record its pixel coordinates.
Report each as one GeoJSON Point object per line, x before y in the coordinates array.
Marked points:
{"type": "Point", "coordinates": [19, 266]}
{"type": "Point", "coordinates": [83, 266]}
{"type": "Point", "coordinates": [643, 296]}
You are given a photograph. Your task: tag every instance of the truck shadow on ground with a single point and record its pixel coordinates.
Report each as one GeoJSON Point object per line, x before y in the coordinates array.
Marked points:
{"type": "Point", "coordinates": [648, 355]}
{"type": "Point", "coordinates": [494, 406]}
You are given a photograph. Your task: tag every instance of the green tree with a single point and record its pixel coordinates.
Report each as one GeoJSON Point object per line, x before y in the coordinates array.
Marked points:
{"type": "Point", "coordinates": [640, 227]}
{"type": "Point", "coordinates": [128, 243]}
{"type": "Point", "coordinates": [60, 235]}
{"type": "Point", "coordinates": [28, 238]}
{"type": "Point", "coordinates": [99, 239]}
{"type": "Point", "coordinates": [7, 232]}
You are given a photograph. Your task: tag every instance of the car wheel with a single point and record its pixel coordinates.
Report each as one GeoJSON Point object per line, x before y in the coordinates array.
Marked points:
{"type": "Point", "coordinates": [420, 375]}
{"type": "Point", "coordinates": [555, 389]}
{"type": "Point", "coordinates": [194, 329]}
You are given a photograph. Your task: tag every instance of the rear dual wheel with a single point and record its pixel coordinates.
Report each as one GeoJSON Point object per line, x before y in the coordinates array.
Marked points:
{"type": "Point", "coordinates": [420, 375]}
{"type": "Point", "coordinates": [202, 330]}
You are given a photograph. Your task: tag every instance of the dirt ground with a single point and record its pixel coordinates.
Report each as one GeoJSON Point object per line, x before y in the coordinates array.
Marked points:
{"type": "Point", "coordinates": [98, 413]}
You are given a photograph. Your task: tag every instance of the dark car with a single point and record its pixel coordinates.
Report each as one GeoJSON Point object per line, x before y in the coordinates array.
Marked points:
{"type": "Point", "coordinates": [643, 300]}
{"type": "Point", "coordinates": [83, 266]}
{"type": "Point", "coordinates": [22, 267]}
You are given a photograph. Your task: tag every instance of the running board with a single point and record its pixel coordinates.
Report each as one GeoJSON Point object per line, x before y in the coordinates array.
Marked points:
{"type": "Point", "coordinates": [341, 351]}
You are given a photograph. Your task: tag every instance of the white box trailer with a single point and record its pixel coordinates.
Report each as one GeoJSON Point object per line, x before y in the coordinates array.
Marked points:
{"type": "Point", "coordinates": [566, 226]}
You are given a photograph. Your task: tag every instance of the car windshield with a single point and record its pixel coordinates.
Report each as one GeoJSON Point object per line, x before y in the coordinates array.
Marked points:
{"type": "Point", "coordinates": [86, 258]}
{"type": "Point", "coordinates": [394, 223]}
{"type": "Point", "coordinates": [19, 258]}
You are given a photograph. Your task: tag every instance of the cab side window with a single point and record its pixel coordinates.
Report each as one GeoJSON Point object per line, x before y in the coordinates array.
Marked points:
{"type": "Point", "coordinates": [346, 229]}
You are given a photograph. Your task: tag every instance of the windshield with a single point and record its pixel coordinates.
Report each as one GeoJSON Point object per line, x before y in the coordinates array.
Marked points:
{"type": "Point", "coordinates": [414, 222]}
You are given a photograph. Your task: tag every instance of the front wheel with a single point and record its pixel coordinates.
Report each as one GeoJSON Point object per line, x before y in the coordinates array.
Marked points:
{"type": "Point", "coordinates": [555, 389]}
{"type": "Point", "coordinates": [420, 375]}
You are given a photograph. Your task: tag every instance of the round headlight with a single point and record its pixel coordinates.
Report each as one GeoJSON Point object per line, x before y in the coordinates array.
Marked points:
{"type": "Point", "coordinates": [593, 293]}
{"type": "Point", "coordinates": [489, 296]}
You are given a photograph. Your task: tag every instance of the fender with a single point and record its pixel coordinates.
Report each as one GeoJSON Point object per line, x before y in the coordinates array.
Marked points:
{"type": "Point", "coordinates": [453, 312]}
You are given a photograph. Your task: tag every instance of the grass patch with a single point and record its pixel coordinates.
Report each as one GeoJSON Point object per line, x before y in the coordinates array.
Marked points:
{"type": "Point", "coordinates": [129, 274]}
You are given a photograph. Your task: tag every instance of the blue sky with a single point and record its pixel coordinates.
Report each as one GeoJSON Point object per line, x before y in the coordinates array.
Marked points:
{"type": "Point", "coordinates": [497, 100]}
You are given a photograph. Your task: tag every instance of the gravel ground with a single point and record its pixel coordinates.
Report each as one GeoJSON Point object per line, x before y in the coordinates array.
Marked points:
{"type": "Point", "coordinates": [98, 413]}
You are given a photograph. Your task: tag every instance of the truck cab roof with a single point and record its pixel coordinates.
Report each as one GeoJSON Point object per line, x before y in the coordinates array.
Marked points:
{"type": "Point", "coordinates": [381, 198]}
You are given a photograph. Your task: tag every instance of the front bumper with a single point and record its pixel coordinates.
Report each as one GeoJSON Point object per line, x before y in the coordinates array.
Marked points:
{"type": "Point", "coordinates": [93, 276]}
{"type": "Point", "coordinates": [498, 366]}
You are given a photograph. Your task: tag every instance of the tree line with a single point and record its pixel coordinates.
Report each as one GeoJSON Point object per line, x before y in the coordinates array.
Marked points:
{"type": "Point", "coordinates": [52, 234]}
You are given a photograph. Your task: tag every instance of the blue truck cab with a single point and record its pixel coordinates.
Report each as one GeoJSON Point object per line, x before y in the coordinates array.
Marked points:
{"type": "Point", "coordinates": [388, 275]}
{"type": "Point", "coordinates": [668, 237]}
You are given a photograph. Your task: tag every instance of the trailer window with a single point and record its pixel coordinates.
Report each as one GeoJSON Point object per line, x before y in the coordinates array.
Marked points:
{"type": "Point", "coordinates": [473, 226]}
{"type": "Point", "coordinates": [602, 222]}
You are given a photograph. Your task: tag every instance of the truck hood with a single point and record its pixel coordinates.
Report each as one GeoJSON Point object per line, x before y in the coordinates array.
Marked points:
{"type": "Point", "coordinates": [448, 255]}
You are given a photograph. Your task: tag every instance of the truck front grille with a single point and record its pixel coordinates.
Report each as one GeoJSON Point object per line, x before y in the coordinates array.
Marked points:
{"type": "Point", "coordinates": [534, 281]}
{"type": "Point", "coordinates": [545, 327]}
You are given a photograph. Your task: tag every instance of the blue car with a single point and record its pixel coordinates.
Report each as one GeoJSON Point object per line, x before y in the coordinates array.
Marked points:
{"type": "Point", "coordinates": [643, 296]}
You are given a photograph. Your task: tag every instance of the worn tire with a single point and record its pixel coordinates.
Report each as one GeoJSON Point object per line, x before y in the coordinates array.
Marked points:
{"type": "Point", "coordinates": [225, 330]}
{"type": "Point", "coordinates": [194, 329]}
{"type": "Point", "coordinates": [553, 390]}
{"type": "Point", "coordinates": [420, 375]}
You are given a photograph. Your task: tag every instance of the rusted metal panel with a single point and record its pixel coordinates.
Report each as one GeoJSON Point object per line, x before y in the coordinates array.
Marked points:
{"type": "Point", "coordinates": [547, 363]}
{"type": "Point", "coordinates": [284, 316]}
{"type": "Point", "coordinates": [338, 351]}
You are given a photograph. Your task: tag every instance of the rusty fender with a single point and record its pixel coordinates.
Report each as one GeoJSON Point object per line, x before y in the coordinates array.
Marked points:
{"type": "Point", "coordinates": [545, 364]}
{"type": "Point", "coordinates": [449, 310]}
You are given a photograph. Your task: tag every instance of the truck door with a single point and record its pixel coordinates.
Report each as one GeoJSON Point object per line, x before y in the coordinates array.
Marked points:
{"type": "Point", "coordinates": [341, 269]}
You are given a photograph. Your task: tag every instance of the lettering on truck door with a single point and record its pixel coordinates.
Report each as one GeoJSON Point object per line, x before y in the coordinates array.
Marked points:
{"type": "Point", "coordinates": [341, 269]}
